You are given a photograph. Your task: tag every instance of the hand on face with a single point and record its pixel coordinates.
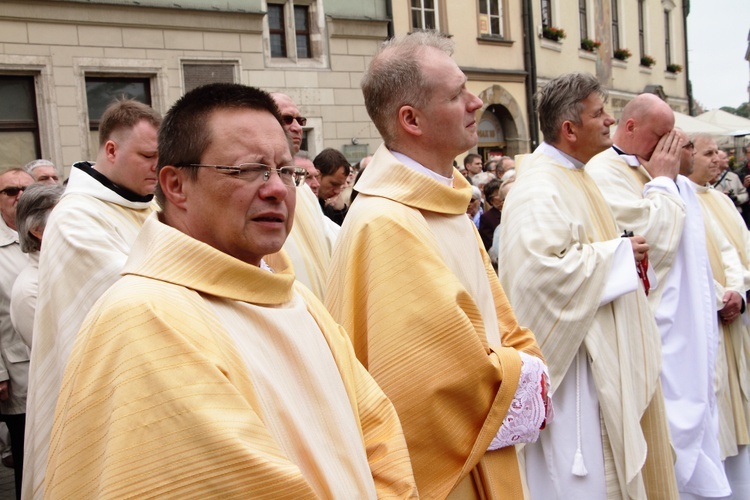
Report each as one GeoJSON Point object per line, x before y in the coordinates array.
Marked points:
{"type": "Point", "coordinates": [665, 160]}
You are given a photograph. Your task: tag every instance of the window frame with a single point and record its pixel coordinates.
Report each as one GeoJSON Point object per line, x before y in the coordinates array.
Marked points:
{"type": "Point", "coordinates": [583, 20]}
{"type": "Point", "coordinates": [667, 37]}
{"type": "Point", "coordinates": [641, 29]}
{"type": "Point", "coordinates": [546, 16]}
{"type": "Point", "coordinates": [420, 10]}
{"type": "Point", "coordinates": [93, 77]}
{"type": "Point", "coordinates": [616, 45]}
{"type": "Point", "coordinates": [500, 16]}
{"type": "Point", "coordinates": [313, 36]}
{"type": "Point", "coordinates": [26, 125]}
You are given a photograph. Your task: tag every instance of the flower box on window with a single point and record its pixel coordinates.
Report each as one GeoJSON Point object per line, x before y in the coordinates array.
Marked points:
{"type": "Point", "coordinates": [622, 54]}
{"type": "Point", "coordinates": [674, 68]}
{"type": "Point", "coordinates": [647, 61]}
{"type": "Point", "coordinates": [552, 33]}
{"type": "Point", "coordinates": [590, 45]}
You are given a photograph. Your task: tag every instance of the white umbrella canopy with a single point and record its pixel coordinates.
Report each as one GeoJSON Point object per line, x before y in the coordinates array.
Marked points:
{"type": "Point", "coordinates": [733, 124]}
{"type": "Point", "coordinates": [692, 125]}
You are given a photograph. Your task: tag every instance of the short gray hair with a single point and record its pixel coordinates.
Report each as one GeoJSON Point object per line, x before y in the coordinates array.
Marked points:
{"type": "Point", "coordinates": [561, 100]}
{"type": "Point", "coordinates": [34, 205]}
{"type": "Point", "coordinates": [395, 79]}
{"type": "Point", "coordinates": [29, 167]}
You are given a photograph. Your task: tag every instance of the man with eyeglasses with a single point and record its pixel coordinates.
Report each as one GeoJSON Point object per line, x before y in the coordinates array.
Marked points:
{"type": "Point", "coordinates": [228, 375]}
{"type": "Point", "coordinates": [310, 243]}
{"type": "Point", "coordinates": [643, 178]}
{"type": "Point", "coordinates": [14, 357]}
{"type": "Point", "coordinates": [730, 184]}
{"type": "Point", "coordinates": [86, 242]}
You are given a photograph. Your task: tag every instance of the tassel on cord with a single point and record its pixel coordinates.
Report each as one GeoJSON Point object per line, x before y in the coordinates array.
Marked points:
{"type": "Point", "coordinates": [579, 468]}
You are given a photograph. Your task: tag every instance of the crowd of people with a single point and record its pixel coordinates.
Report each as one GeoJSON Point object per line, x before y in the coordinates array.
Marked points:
{"type": "Point", "coordinates": [208, 310]}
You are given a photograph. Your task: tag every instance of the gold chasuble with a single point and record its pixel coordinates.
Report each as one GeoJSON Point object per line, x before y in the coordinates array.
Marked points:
{"type": "Point", "coordinates": [412, 285]}
{"type": "Point", "coordinates": [559, 240]}
{"type": "Point", "coordinates": [200, 376]}
{"type": "Point", "coordinates": [723, 222]}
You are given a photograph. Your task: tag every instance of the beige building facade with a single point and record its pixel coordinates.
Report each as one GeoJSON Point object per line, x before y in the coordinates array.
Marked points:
{"type": "Point", "coordinates": [62, 61]}
{"type": "Point", "coordinates": [652, 31]}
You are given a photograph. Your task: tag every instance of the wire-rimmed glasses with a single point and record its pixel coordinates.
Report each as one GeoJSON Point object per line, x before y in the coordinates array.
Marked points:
{"type": "Point", "coordinates": [290, 175]}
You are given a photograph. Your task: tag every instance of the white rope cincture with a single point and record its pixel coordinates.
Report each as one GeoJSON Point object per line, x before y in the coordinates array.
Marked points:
{"type": "Point", "coordinates": [579, 468]}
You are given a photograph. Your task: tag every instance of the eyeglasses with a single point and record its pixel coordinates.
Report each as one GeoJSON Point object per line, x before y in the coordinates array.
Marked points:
{"type": "Point", "coordinates": [288, 119]}
{"type": "Point", "coordinates": [251, 172]}
{"type": "Point", "coordinates": [13, 190]}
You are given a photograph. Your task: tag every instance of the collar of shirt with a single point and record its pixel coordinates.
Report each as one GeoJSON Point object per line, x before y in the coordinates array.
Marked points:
{"type": "Point", "coordinates": [565, 159]}
{"type": "Point", "coordinates": [631, 160]}
{"type": "Point", "coordinates": [414, 165]}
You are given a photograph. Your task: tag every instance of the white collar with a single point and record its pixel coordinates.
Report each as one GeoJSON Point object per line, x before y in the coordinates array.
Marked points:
{"type": "Point", "coordinates": [415, 165]}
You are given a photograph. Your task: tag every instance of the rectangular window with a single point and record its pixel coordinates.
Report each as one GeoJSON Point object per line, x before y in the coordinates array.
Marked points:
{"type": "Point", "coordinates": [491, 17]}
{"type": "Point", "coordinates": [424, 15]}
{"type": "Point", "coordinates": [667, 39]}
{"type": "Point", "coordinates": [546, 13]}
{"type": "Point", "coordinates": [615, 26]}
{"type": "Point", "coordinates": [276, 30]}
{"type": "Point", "coordinates": [196, 74]}
{"type": "Point", "coordinates": [302, 31]}
{"type": "Point", "coordinates": [19, 125]}
{"type": "Point", "coordinates": [583, 19]}
{"type": "Point", "coordinates": [101, 91]}
{"type": "Point", "coordinates": [641, 30]}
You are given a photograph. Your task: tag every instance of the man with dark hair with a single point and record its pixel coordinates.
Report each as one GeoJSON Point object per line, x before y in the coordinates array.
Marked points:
{"type": "Point", "coordinates": [86, 243]}
{"type": "Point", "coordinates": [334, 168]}
{"type": "Point", "coordinates": [414, 288]}
{"type": "Point", "coordinates": [473, 164]}
{"type": "Point", "coordinates": [231, 377]}
{"type": "Point", "coordinates": [14, 357]}
{"type": "Point", "coordinates": [571, 276]}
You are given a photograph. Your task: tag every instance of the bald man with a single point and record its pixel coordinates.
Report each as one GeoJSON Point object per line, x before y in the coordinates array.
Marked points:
{"type": "Point", "coordinates": [639, 179]}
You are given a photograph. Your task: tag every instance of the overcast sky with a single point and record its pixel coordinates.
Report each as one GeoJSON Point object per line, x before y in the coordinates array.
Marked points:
{"type": "Point", "coordinates": [717, 42]}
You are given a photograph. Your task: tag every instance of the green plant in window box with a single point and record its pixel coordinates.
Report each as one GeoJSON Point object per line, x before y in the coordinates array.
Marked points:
{"type": "Point", "coordinates": [590, 45]}
{"type": "Point", "coordinates": [674, 68]}
{"type": "Point", "coordinates": [552, 33]}
{"type": "Point", "coordinates": [622, 54]}
{"type": "Point", "coordinates": [647, 61]}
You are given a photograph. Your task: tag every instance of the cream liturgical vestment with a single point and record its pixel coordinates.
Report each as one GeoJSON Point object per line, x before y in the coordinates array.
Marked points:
{"type": "Point", "coordinates": [733, 372]}
{"type": "Point", "coordinates": [200, 376]}
{"type": "Point", "coordinates": [562, 258]}
{"type": "Point", "coordinates": [668, 214]}
{"type": "Point", "coordinates": [429, 320]}
{"type": "Point", "coordinates": [310, 243]}
{"type": "Point", "coordinates": [86, 243]}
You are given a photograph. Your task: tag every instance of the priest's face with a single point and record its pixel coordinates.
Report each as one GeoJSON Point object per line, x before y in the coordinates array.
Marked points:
{"type": "Point", "coordinates": [134, 156]}
{"type": "Point", "coordinates": [242, 218]}
{"type": "Point", "coordinates": [592, 135]}
{"type": "Point", "coordinates": [448, 121]}
{"type": "Point", "coordinates": [706, 162]}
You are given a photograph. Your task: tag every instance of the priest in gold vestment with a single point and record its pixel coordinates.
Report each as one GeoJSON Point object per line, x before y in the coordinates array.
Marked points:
{"type": "Point", "coordinates": [203, 373]}
{"type": "Point", "coordinates": [411, 283]}
{"type": "Point", "coordinates": [572, 278]}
